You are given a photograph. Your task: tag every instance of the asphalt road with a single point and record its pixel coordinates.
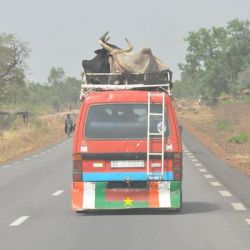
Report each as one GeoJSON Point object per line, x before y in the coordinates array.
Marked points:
{"type": "Point", "coordinates": [35, 210]}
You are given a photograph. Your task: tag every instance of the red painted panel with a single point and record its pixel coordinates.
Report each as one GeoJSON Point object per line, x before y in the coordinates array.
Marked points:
{"type": "Point", "coordinates": [120, 195]}
{"type": "Point", "coordinates": [77, 195]}
{"type": "Point", "coordinates": [153, 194]}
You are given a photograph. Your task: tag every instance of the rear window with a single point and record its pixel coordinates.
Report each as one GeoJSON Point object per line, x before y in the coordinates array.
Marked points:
{"type": "Point", "coordinates": [123, 121]}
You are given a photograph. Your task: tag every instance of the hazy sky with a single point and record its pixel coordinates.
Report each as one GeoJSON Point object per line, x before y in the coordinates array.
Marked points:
{"type": "Point", "coordinates": [63, 32]}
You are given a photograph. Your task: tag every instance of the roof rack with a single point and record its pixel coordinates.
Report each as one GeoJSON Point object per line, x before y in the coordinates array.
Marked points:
{"type": "Point", "coordinates": [159, 81]}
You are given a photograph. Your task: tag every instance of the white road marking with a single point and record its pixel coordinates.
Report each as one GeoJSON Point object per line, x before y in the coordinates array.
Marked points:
{"type": "Point", "coordinates": [208, 176]}
{"type": "Point", "coordinates": [48, 150]}
{"type": "Point", "coordinates": [19, 221]}
{"type": "Point", "coordinates": [26, 159]}
{"type": "Point", "coordinates": [248, 221]}
{"type": "Point", "coordinates": [35, 156]}
{"type": "Point", "coordinates": [238, 206]}
{"type": "Point", "coordinates": [202, 170]}
{"type": "Point", "coordinates": [198, 164]}
{"type": "Point", "coordinates": [42, 153]}
{"type": "Point", "coordinates": [225, 193]}
{"type": "Point", "coordinates": [194, 160]}
{"type": "Point", "coordinates": [58, 193]}
{"type": "Point", "coordinates": [215, 184]}
{"type": "Point", "coordinates": [6, 166]}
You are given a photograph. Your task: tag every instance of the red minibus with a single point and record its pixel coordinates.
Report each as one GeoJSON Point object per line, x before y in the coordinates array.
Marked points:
{"type": "Point", "coordinates": [127, 152]}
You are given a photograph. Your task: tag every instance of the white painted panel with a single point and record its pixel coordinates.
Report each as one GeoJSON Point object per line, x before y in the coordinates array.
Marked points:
{"type": "Point", "coordinates": [89, 195]}
{"type": "Point", "coordinates": [164, 194]}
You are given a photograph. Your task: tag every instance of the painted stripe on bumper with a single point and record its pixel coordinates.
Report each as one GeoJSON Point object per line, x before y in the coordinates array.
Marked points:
{"type": "Point", "coordinates": [96, 196]}
{"type": "Point", "coordinates": [164, 194]}
{"type": "Point", "coordinates": [89, 195]}
{"type": "Point", "coordinates": [122, 176]}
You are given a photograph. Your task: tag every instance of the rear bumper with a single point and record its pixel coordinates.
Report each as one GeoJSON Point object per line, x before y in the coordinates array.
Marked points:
{"type": "Point", "coordinates": [97, 195]}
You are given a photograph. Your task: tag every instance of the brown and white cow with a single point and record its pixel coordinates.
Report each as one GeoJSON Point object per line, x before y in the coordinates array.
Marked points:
{"type": "Point", "coordinates": [125, 61]}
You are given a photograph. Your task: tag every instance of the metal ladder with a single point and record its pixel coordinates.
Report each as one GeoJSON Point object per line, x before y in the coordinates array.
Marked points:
{"type": "Point", "coordinates": [155, 175]}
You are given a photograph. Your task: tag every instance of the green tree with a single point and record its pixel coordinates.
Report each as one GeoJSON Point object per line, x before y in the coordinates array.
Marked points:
{"type": "Point", "coordinates": [56, 76]}
{"type": "Point", "coordinates": [65, 90]}
{"type": "Point", "coordinates": [13, 53]}
{"type": "Point", "coordinates": [216, 56]}
{"type": "Point", "coordinates": [72, 90]}
{"type": "Point", "coordinates": [56, 104]}
{"type": "Point", "coordinates": [17, 91]}
{"type": "Point", "coordinates": [244, 78]}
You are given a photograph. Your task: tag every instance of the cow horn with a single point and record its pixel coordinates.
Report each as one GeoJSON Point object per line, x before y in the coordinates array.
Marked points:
{"type": "Point", "coordinates": [130, 46]}
{"type": "Point", "coordinates": [105, 46]}
{"type": "Point", "coordinates": [103, 38]}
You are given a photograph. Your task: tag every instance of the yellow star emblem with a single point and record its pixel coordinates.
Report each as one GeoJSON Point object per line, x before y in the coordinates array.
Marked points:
{"type": "Point", "coordinates": [128, 202]}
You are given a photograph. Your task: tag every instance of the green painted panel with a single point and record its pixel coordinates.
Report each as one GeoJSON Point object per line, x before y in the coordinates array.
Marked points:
{"type": "Point", "coordinates": [101, 203]}
{"type": "Point", "coordinates": [175, 194]}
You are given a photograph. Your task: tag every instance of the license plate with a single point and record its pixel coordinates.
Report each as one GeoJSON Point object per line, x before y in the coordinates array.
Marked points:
{"type": "Point", "coordinates": [127, 164]}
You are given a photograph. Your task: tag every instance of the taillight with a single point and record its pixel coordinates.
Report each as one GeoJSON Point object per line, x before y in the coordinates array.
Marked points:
{"type": "Point", "coordinates": [177, 161]}
{"type": "Point", "coordinates": [177, 166]}
{"type": "Point", "coordinates": [77, 167]}
{"type": "Point", "coordinates": [177, 176]}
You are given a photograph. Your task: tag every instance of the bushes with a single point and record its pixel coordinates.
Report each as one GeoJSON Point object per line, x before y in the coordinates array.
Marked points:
{"type": "Point", "coordinates": [6, 121]}
{"type": "Point", "coordinates": [22, 138]}
{"type": "Point", "coordinates": [225, 125]}
{"type": "Point", "coordinates": [239, 138]}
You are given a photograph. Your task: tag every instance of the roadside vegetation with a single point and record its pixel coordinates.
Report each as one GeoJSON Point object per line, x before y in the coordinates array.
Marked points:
{"type": "Point", "coordinates": [28, 110]}
{"type": "Point", "coordinates": [224, 129]}
{"type": "Point", "coordinates": [21, 138]}
{"type": "Point", "coordinates": [213, 95]}
{"type": "Point", "coordinates": [217, 63]}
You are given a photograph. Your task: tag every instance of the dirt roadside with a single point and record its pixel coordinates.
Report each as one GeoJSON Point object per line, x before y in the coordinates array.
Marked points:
{"type": "Point", "coordinates": [223, 129]}
{"type": "Point", "coordinates": [23, 139]}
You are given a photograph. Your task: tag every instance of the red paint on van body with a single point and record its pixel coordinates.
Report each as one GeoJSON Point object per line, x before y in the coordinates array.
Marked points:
{"type": "Point", "coordinates": [82, 145]}
{"type": "Point", "coordinates": [111, 146]}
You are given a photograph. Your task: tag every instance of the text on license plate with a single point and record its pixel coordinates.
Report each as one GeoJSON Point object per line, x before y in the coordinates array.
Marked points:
{"type": "Point", "coordinates": [127, 164]}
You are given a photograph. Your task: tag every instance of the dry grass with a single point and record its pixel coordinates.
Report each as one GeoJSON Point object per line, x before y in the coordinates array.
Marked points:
{"type": "Point", "coordinates": [24, 138]}
{"type": "Point", "coordinates": [215, 127]}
